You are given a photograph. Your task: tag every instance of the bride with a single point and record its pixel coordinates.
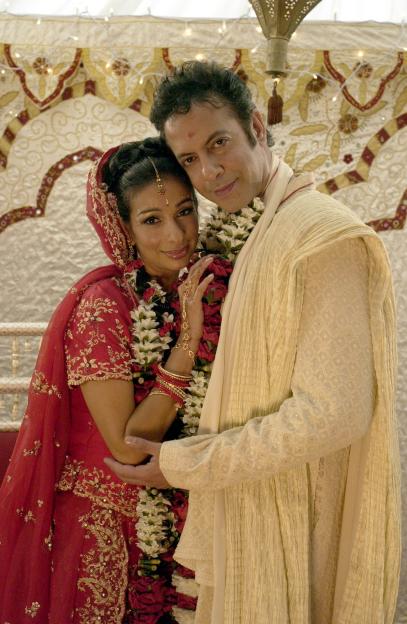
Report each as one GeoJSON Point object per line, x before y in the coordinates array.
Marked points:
{"type": "Point", "coordinates": [128, 351]}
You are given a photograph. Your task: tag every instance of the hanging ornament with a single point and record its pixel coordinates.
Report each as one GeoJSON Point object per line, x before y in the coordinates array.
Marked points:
{"type": "Point", "coordinates": [275, 106]}
{"type": "Point", "coordinates": [278, 20]}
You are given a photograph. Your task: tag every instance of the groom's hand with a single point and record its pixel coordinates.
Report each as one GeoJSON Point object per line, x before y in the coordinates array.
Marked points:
{"type": "Point", "coordinates": [145, 474]}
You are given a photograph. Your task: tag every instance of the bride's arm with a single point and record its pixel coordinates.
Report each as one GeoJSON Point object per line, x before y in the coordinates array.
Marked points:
{"type": "Point", "coordinates": [111, 401]}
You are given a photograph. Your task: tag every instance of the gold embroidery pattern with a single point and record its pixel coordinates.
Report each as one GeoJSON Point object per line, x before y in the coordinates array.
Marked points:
{"type": "Point", "coordinates": [103, 574]}
{"type": "Point", "coordinates": [33, 610]}
{"type": "Point", "coordinates": [35, 450]}
{"type": "Point", "coordinates": [48, 539]}
{"type": "Point", "coordinates": [40, 385]}
{"type": "Point", "coordinates": [28, 517]}
{"type": "Point", "coordinates": [87, 364]}
{"type": "Point", "coordinates": [98, 487]}
{"type": "Point", "coordinates": [101, 212]}
{"type": "Point", "coordinates": [92, 311]}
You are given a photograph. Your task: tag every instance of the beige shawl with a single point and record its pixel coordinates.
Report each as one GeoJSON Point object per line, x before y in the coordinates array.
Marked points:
{"type": "Point", "coordinates": [226, 539]}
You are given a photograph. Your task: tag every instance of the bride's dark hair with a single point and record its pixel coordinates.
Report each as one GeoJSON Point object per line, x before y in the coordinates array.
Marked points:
{"type": "Point", "coordinates": [130, 168]}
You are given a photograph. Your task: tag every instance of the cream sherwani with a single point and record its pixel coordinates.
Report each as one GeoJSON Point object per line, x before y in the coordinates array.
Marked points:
{"type": "Point", "coordinates": [294, 478]}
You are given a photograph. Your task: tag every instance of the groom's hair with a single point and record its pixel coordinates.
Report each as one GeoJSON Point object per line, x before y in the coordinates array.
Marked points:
{"type": "Point", "coordinates": [195, 82]}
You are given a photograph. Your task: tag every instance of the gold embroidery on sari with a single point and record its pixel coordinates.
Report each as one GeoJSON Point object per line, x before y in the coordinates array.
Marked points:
{"type": "Point", "coordinates": [48, 539]}
{"type": "Point", "coordinates": [82, 366]}
{"type": "Point", "coordinates": [33, 610]}
{"type": "Point", "coordinates": [91, 311]}
{"type": "Point", "coordinates": [103, 572]}
{"type": "Point", "coordinates": [35, 450]}
{"type": "Point", "coordinates": [41, 386]}
{"type": "Point", "coordinates": [98, 487]}
{"type": "Point", "coordinates": [28, 516]}
{"type": "Point", "coordinates": [107, 217]}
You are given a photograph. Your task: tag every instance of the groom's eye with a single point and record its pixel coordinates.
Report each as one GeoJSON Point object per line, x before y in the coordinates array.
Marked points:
{"type": "Point", "coordinates": [221, 142]}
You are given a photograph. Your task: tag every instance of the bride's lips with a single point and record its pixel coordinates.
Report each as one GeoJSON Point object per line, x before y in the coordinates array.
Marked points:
{"type": "Point", "coordinates": [177, 254]}
{"type": "Point", "coordinates": [225, 190]}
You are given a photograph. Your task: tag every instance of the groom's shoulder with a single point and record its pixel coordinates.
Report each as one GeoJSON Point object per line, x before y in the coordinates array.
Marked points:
{"type": "Point", "coordinates": [314, 209]}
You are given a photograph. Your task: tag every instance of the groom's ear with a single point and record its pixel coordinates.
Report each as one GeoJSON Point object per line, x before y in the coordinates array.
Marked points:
{"type": "Point", "coordinates": [258, 127]}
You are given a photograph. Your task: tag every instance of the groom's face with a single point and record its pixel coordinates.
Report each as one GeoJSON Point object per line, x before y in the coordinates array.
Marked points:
{"type": "Point", "coordinates": [214, 149]}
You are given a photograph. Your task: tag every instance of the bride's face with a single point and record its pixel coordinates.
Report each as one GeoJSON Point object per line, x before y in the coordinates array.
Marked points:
{"type": "Point", "coordinates": [164, 227]}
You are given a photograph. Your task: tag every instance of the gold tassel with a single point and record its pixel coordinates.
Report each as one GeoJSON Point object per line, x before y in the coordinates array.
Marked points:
{"type": "Point", "coordinates": [275, 107]}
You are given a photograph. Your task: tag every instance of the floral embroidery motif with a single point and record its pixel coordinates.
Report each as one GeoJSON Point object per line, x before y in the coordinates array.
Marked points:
{"type": "Point", "coordinates": [33, 610]}
{"type": "Point", "coordinates": [95, 357]}
{"type": "Point", "coordinates": [93, 311]}
{"type": "Point", "coordinates": [35, 450]}
{"type": "Point", "coordinates": [106, 217]}
{"type": "Point", "coordinates": [41, 386]}
{"type": "Point", "coordinates": [104, 568]}
{"type": "Point", "coordinates": [28, 517]}
{"type": "Point", "coordinates": [98, 487]}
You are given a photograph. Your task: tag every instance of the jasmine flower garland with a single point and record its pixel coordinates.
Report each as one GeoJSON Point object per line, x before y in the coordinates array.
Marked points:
{"type": "Point", "coordinates": [156, 324]}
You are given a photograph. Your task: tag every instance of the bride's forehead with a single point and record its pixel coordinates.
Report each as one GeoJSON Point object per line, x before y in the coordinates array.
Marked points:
{"type": "Point", "coordinates": [152, 197]}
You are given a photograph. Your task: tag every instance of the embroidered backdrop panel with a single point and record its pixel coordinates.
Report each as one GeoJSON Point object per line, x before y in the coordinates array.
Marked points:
{"type": "Point", "coordinates": [71, 88]}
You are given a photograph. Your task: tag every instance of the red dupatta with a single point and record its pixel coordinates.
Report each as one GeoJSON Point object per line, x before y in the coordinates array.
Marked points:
{"type": "Point", "coordinates": [27, 492]}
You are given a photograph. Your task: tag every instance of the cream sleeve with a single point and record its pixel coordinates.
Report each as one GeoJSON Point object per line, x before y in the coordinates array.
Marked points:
{"type": "Point", "coordinates": [333, 387]}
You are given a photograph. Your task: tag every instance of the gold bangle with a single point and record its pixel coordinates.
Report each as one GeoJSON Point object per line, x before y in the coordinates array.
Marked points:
{"type": "Point", "coordinates": [159, 392]}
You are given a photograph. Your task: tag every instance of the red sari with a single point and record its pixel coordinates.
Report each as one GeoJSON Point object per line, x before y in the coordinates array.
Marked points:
{"type": "Point", "coordinates": [68, 539]}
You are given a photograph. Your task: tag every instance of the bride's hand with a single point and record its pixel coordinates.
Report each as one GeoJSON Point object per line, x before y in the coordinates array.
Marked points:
{"type": "Point", "coordinates": [190, 294]}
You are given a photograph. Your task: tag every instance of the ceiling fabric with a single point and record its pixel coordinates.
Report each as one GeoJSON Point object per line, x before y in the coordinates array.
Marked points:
{"type": "Point", "coordinates": [340, 10]}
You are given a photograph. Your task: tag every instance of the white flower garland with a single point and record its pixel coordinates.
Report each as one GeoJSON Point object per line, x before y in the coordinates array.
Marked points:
{"type": "Point", "coordinates": [226, 233]}
{"type": "Point", "coordinates": [155, 524]}
{"type": "Point", "coordinates": [147, 345]}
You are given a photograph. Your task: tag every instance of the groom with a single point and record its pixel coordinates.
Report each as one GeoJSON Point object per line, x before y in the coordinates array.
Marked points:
{"type": "Point", "coordinates": [294, 478]}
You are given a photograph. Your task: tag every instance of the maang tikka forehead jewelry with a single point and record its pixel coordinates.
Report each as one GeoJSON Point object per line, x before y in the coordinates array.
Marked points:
{"type": "Point", "coordinates": [160, 185]}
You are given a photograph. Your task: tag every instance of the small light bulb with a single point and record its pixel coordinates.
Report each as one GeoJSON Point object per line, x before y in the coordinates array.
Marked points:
{"type": "Point", "coordinates": [200, 57]}
{"type": "Point", "coordinates": [141, 80]}
{"type": "Point", "coordinates": [334, 98]}
{"type": "Point", "coordinates": [106, 18]}
{"type": "Point", "coordinates": [224, 27]}
{"type": "Point", "coordinates": [293, 36]}
{"type": "Point", "coordinates": [50, 70]}
{"type": "Point", "coordinates": [18, 55]}
{"type": "Point", "coordinates": [220, 31]}
{"type": "Point", "coordinates": [258, 28]}
{"type": "Point", "coordinates": [107, 65]}
{"type": "Point", "coordinates": [253, 50]}
{"type": "Point", "coordinates": [187, 32]}
{"type": "Point", "coordinates": [315, 76]}
{"type": "Point", "coordinates": [3, 71]}
{"type": "Point", "coordinates": [360, 53]}
{"type": "Point", "coordinates": [38, 21]}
